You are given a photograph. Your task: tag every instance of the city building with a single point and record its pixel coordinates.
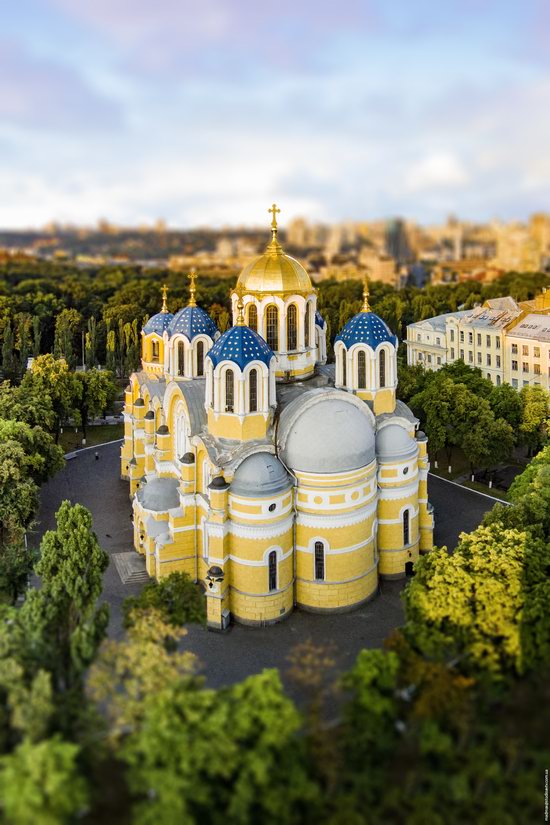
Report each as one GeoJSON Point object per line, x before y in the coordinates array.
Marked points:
{"type": "Point", "coordinates": [507, 340]}
{"type": "Point", "coordinates": [274, 479]}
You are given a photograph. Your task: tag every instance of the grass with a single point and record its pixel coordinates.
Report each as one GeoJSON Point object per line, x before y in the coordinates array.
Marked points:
{"type": "Point", "coordinates": [96, 434]}
{"type": "Point", "coordinates": [483, 488]}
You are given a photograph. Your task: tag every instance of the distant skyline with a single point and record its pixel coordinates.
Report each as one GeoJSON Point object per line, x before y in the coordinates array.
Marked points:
{"type": "Point", "coordinates": [203, 114]}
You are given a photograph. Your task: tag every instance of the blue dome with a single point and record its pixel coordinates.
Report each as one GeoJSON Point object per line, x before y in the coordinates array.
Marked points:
{"type": "Point", "coordinates": [319, 320]}
{"type": "Point", "coordinates": [158, 323]}
{"type": "Point", "coordinates": [192, 321]}
{"type": "Point", "coordinates": [240, 345]}
{"type": "Point", "coordinates": [366, 328]}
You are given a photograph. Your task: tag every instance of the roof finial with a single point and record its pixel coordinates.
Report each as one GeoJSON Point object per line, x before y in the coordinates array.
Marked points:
{"type": "Point", "coordinates": [192, 289]}
{"type": "Point", "coordinates": [366, 305]}
{"type": "Point", "coordinates": [274, 210]}
{"type": "Point", "coordinates": [240, 306]}
{"type": "Point", "coordinates": [164, 291]}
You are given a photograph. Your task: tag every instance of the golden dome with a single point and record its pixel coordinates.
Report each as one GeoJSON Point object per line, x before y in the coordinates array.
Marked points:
{"type": "Point", "coordinates": [274, 271]}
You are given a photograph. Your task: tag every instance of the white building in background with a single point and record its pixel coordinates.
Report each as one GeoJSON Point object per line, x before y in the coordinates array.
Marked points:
{"type": "Point", "coordinates": [508, 341]}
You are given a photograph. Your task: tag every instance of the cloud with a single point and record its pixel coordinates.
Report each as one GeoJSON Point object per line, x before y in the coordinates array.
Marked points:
{"type": "Point", "coordinates": [438, 171]}
{"type": "Point", "coordinates": [37, 93]}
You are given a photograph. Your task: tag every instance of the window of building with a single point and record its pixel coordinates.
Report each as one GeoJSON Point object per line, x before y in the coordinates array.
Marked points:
{"type": "Point", "coordinates": [479, 339]}
{"type": "Point", "coordinates": [406, 527]}
{"type": "Point", "coordinates": [536, 369]}
{"type": "Point", "coordinates": [361, 370]}
{"type": "Point", "coordinates": [470, 337]}
{"type": "Point", "coordinates": [272, 566]}
{"type": "Point", "coordinates": [515, 382]}
{"type": "Point", "coordinates": [462, 354]}
{"type": "Point", "coordinates": [536, 352]}
{"type": "Point", "coordinates": [382, 366]}
{"type": "Point", "coordinates": [488, 360]}
{"type": "Point", "coordinates": [253, 391]}
{"type": "Point", "coordinates": [452, 352]}
{"type": "Point", "coordinates": [488, 340]}
{"type": "Point", "coordinates": [253, 317]}
{"type": "Point", "coordinates": [497, 342]}
{"type": "Point", "coordinates": [181, 358]}
{"type": "Point", "coordinates": [307, 325]}
{"type": "Point", "coordinates": [291, 328]}
{"type": "Point", "coordinates": [526, 383]}
{"type": "Point", "coordinates": [498, 360]}
{"type": "Point", "coordinates": [429, 357]}
{"type": "Point", "coordinates": [155, 351]}
{"type": "Point", "coordinates": [479, 358]}
{"type": "Point", "coordinates": [229, 390]}
{"type": "Point", "coordinates": [438, 341]}
{"type": "Point", "coordinates": [344, 378]}
{"type": "Point", "coordinates": [319, 560]}
{"type": "Point", "coordinates": [498, 380]}
{"type": "Point", "coordinates": [452, 335]}
{"type": "Point", "coordinates": [418, 337]}
{"type": "Point", "coordinates": [461, 336]}
{"type": "Point", "coordinates": [489, 376]}
{"type": "Point", "coordinates": [525, 350]}
{"type": "Point", "coordinates": [471, 357]}
{"type": "Point", "coordinates": [514, 349]}
{"type": "Point", "coordinates": [515, 366]}
{"type": "Point", "coordinates": [272, 327]}
{"type": "Point", "coordinates": [200, 358]}
{"type": "Point", "coordinates": [525, 366]}
{"type": "Point", "coordinates": [438, 360]}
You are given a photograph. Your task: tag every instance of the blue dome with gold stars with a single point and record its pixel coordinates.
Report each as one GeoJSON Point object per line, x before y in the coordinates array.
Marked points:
{"type": "Point", "coordinates": [366, 328]}
{"type": "Point", "coordinates": [241, 345]}
{"type": "Point", "coordinates": [158, 323]}
{"type": "Point", "coordinates": [319, 320]}
{"type": "Point", "coordinates": [192, 321]}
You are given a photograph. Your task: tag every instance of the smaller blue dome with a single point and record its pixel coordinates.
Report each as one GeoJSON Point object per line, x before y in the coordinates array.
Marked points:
{"type": "Point", "coordinates": [158, 323]}
{"type": "Point", "coordinates": [241, 345]}
{"type": "Point", "coordinates": [319, 320]}
{"type": "Point", "coordinates": [192, 321]}
{"type": "Point", "coordinates": [366, 328]}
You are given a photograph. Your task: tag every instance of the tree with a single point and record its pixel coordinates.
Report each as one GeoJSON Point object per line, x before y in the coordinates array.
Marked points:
{"type": "Point", "coordinates": [40, 783]}
{"type": "Point", "coordinates": [506, 403]}
{"type": "Point", "coordinates": [8, 355]}
{"type": "Point", "coordinates": [26, 403]}
{"type": "Point", "coordinates": [177, 598]}
{"type": "Point", "coordinates": [535, 416]}
{"type": "Point", "coordinates": [64, 625]}
{"type": "Point", "coordinates": [16, 564]}
{"type": "Point", "coordinates": [97, 392]}
{"type": "Point", "coordinates": [23, 339]}
{"type": "Point", "coordinates": [479, 604]}
{"type": "Point", "coordinates": [36, 336]}
{"type": "Point", "coordinates": [43, 458]}
{"type": "Point", "coordinates": [52, 377]}
{"type": "Point", "coordinates": [18, 493]}
{"type": "Point", "coordinates": [67, 324]}
{"type": "Point", "coordinates": [91, 344]}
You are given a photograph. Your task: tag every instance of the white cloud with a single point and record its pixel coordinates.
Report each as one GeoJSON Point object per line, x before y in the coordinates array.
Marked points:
{"type": "Point", "coordinates": [441, 170]}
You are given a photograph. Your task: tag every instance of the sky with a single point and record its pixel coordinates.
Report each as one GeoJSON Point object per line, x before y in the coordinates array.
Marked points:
{"type": "Point", "coordinates": [204, 113]}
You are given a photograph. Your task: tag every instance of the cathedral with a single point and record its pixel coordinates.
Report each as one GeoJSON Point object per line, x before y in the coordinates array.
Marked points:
{"type": "Point", "coordinates": [271, 477]}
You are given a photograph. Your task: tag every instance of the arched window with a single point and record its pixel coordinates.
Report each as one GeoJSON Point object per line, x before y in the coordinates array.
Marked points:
{"type": "Point", "coordinates": [200, 358]}
{"type": "Point", "coordinates": [382, 367]}
{"type": "Point", "coordinates": [272, 565]}
{"type": "Point", "coordinates": [155, 351]}
{"type": "Point", "coordinates": [253, 391]}
{"type": "Point", "coordinates": [307, 325]}
{"type": "Point", "coordinates": [291, 328]}
{"type": "Point", "coordinates": [319, 560]}
{"type": "Point", "coordinates": [361, 370]}
{"type": "Point", "coordinates": [344, 356]}
{"type": "Point", "coordinates": [253, 317]}
{"type": "Point", "coordinates": [406, 528]}
{"type": "Point", "coordinates": [181, 358]}
{"type": "Point", "coordinates": [229, 390]}
{"type": "Point", "coordinates": [272, 327]}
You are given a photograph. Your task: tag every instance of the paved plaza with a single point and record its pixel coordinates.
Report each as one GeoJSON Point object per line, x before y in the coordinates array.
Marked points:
{"type": "Point", "coordinates": [226, 658]}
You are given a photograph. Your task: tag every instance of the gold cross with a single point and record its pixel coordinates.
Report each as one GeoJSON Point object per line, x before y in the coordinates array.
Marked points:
{"type": "Point", "coordinates": [192, 289]}
{"type": "Point", "coordinates": [274, 210]}
{"type": "Point", "coordinates": [164, 291]}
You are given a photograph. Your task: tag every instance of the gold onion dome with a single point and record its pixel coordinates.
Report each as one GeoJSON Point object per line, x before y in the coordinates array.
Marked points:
{"type": "Point", "coordinates": [274, 271]}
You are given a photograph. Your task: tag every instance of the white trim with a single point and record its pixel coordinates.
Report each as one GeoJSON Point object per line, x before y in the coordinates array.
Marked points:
{"type": "Point", "coordinates": [323, 521]}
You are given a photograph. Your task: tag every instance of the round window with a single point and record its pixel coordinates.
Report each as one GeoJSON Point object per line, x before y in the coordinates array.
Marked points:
{"type": "Point", "coordinates": [272, 507]}
{"type": "Point", "coordinates": [405, 471]}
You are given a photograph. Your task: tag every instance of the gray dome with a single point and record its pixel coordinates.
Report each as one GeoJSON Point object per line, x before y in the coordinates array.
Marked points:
{"type": "Point", "coordinates": [260, 475]}
{"type": "Point", "coordinates": [159, 494]}
{"type": "Point", "coordinates": [394, 443]}
{"type": "Point", "coordinates": [333, 435]}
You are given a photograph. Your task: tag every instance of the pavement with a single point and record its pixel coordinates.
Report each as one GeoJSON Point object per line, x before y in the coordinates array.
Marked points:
{"type": "Point", "coordinates": [230, 657]}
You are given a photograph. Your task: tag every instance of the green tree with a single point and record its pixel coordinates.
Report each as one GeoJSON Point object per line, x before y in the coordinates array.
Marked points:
{"type": "Point", "coordinates": [91, 344]}
{"type": "Point", "coordinates": [97, 392]}
{"type": "Point", "coordinates": [64, 625]}
{"type": "Point", "coordinates": [535, 416]}
{"type": "Point", "coordinates": [36, 336]}
{"type": "Point", "coordinates": [40, 784]}
{"type": "Point", "coordinates": [8, 354]}
{"type": "Point", "coordinates": [52, 377]}
{"type": "Point", "coordinates": [178, 599]}
{"type": "Point", "coordinates": [67, 324]}
{"type": "Point", "coordinates": [506, 403]}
